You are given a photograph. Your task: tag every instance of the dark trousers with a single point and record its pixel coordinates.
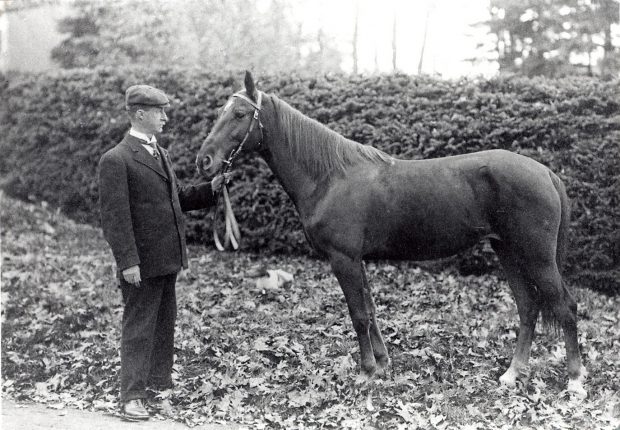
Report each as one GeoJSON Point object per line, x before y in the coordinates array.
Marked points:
{"type": "Point", "coordinates": [147, 337]}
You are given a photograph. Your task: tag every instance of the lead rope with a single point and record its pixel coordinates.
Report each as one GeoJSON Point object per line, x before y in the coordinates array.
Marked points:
{"type": "Point", "coordinates": [232, 234]}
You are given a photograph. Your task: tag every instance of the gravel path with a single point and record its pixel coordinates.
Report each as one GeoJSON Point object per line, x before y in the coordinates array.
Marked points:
{"type": "Point", "coordinates": [33, 416]}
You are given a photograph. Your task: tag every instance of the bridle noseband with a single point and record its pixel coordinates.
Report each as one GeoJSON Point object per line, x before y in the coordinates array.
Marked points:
{"type": "Point", "coordinates": [255, 119]}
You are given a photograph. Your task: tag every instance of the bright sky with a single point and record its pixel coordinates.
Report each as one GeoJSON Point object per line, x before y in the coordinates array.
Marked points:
{"type": "Point", "coordinates": [451, 38]}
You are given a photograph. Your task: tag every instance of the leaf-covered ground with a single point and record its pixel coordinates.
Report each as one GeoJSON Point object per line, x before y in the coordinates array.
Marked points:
{"type": "Point", "coordinates": [287, 357]}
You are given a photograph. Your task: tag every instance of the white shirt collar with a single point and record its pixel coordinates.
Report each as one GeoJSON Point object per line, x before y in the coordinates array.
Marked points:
{"type": "Point", "coordinates": [142, 136]}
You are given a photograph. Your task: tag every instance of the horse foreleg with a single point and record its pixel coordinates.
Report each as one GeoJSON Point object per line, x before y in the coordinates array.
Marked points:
{"type": "Point", "coordinates": [528, 314]}
{"type": "Point", "coordinates": [351, 278]}
{"type": "Point", "coordinates": [378, 345]}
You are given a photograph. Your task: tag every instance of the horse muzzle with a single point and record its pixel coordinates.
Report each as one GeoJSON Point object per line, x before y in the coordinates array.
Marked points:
{"type": "Point", "coordinates": [207, 162]}
{"type": "Point", "coordinates": [205, 165]}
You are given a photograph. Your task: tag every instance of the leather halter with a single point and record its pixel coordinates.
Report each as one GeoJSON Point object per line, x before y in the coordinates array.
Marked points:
{"type": "Point", "coordinates": [255, 119]}
{"type": "Point", "coordinates": [233, 235]}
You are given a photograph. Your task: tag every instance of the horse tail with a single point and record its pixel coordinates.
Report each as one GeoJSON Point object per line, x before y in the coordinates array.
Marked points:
{"type": "Point", "coordinates": [562, 244]}
{"type": "Point", "coordinates": [548, 317]}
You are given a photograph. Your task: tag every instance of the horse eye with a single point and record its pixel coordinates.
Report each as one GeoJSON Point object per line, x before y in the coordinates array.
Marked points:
{"type": "Point", "coordinates": [239, 114]}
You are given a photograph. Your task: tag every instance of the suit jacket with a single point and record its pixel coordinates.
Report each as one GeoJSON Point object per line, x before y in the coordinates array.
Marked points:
{"type": "Point", "coordinates": [141, 204]}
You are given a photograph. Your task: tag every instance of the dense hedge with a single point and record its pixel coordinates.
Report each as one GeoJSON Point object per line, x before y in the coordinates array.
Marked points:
{"type": "Point", "coordinates": [55, 127]}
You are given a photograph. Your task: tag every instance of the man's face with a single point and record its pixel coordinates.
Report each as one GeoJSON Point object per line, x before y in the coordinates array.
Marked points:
{"type": "Point", "coordinates": [153, 119]}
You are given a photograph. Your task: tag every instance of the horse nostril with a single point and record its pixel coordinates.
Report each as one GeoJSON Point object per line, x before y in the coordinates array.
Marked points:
{"type": "Point", "coordinates": [207, 162]}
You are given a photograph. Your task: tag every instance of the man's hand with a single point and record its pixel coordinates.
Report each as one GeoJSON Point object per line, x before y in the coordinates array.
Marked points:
{"type": "Point", "coordinates": [219, 181]}
{"type": "Point", "coordinates": [132, 275]}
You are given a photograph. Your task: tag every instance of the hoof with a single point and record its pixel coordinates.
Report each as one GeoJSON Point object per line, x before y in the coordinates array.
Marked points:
{"type": "Point", "coordinates": [583, 373]}
{"type": "Point", "coordinates": [367, 373]}
{"type": "Point", "coordinates": [369, 369]}
{"type": "Point", "coordinates": [509, 379]}
{"type": "Point", "coordinates": [363, 379]}
{"type": "Point", "coordinates": [575, 386]}
{"type": "Point", "coordinates": [383, 363]}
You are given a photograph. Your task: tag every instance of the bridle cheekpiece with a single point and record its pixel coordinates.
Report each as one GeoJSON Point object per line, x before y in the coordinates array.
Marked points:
{"type": "Point", "coordinates": [255, 120]}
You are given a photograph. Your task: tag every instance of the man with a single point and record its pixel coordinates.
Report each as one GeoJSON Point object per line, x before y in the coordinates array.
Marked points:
{"type": "Point", "coordinates": [141, 204]}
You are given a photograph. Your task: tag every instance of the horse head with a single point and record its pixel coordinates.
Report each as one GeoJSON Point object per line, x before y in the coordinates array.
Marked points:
{"type": "Point", "coordinates": [237, 128]}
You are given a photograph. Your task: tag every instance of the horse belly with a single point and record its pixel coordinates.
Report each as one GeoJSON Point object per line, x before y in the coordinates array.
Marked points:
{"type": "Point", "coordinates": [425, 223]}
{"type": "Point", "coordinates": [413, 242]}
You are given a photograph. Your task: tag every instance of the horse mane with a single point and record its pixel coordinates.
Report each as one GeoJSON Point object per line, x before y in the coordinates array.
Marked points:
{"type": "Point", "coordinates": [319, 150]}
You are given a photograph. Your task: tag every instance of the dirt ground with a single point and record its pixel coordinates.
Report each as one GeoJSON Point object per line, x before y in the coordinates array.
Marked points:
{"type": "Point", "coordinates": [33, 416]}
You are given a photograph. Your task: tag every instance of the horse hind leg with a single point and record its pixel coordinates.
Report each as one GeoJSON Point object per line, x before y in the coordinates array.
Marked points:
{"type": "Point", "coordinates": [376, 339]}
{"type": "Point", "coordinates": [351, 279]}
{"type": "Point", "coordinates": [560, 305]}
{"type": "Point", "coordinates": [565, 309]}
{"type": "Point", "coordinates": [528, 310]}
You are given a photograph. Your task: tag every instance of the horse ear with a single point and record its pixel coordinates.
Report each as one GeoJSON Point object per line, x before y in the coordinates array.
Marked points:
{"type": "Point", "coordinates": [250, 87]}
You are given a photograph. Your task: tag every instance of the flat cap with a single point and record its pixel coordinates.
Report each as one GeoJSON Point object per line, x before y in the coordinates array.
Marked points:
{"type": "Point", "coordinates": [145, 95]}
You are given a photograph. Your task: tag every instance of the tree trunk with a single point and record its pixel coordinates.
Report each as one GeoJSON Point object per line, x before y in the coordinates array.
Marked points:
{"type": "Point", "coordinates": [321, 43]}
{"type": "Point", "coordinates": [394, 44]}
{"type": "Point", "coordinates": [420, 63]}
{"type": "Point", "coordinates": [357, 13]}
{"type": "Point", "coordinates": [608, 50]}
{"type": "Point", "coordinates": [376, 61]}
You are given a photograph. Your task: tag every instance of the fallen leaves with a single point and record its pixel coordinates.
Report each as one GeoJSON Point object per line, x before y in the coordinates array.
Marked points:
{"type": "Point", "coordinates": [286, 357]}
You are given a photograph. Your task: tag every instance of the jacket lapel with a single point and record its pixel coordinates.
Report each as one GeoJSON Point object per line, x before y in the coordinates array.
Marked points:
{"type": "Point", "coordinates": [142, 156]}
{"type": "Point", "coordinates": [167, 164]}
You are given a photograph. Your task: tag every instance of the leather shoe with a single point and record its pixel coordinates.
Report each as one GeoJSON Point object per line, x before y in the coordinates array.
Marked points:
{"type": "Point", "coordinates": [162, 406]}
{"type": "Point", "coordinates": [134, 410]}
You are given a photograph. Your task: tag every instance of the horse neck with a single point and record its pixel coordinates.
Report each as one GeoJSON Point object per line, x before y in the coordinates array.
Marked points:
{"type": "Point", "coordinates": [298, 184]}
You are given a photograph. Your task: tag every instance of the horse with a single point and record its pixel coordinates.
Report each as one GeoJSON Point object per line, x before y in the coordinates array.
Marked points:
{"type": "Point", "coordinates": [356, 202]}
